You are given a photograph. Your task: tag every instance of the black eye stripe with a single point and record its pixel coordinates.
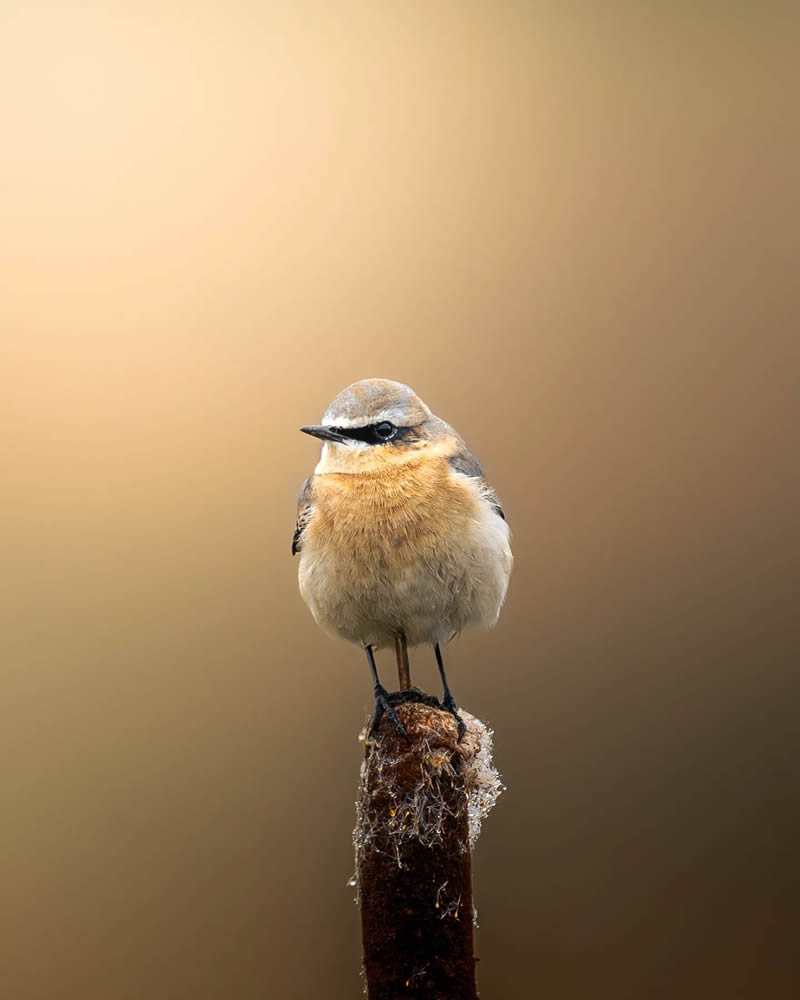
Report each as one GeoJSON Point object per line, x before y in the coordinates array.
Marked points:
{"type": "Point", "coordinates": [370, 435]}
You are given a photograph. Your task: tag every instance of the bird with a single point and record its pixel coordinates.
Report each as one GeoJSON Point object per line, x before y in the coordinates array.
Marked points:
{"type": "Point", "coordinates": [401, 540]}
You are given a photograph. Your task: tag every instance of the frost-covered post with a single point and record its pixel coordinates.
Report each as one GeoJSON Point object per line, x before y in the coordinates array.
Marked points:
{"type": "Point", "coordinates": [419, 813]}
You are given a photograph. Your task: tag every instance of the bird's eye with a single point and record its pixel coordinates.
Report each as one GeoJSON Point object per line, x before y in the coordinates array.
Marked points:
{"type": "Point", "coordinates": [385, 430]}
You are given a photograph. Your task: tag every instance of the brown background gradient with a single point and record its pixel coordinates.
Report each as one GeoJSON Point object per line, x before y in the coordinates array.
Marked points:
{"type": "Point", "coordinates": [570, 230]}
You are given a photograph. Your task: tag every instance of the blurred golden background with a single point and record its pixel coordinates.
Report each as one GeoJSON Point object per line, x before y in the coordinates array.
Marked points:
{"type": "Point", "coordinates": [568, 229]}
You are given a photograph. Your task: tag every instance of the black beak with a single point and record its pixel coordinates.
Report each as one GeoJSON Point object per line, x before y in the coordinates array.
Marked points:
{"type": "Point", "coordinates": [326, 433]}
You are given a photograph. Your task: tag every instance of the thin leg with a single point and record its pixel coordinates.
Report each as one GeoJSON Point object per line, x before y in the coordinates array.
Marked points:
{"type": "Point", "coordinates": [448, 701]}
{"type": "Point", "coordinates": [403, 669]}
{"type": "Point", "coordinates": [382, 701]}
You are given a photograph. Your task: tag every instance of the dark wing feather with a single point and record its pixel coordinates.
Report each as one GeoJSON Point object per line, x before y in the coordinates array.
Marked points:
{"type": "Point", "coordinates": [464, 461]}
{"type": "Point", "coordinates": [305, 510]}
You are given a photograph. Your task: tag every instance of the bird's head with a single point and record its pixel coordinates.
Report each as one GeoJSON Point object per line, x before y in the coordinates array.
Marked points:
{"type": "Point", "coordinates": [372, 423]}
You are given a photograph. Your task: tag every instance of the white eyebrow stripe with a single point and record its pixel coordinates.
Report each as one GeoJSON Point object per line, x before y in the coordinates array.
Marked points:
{"type": "Point", "coordinates": [394, 414]}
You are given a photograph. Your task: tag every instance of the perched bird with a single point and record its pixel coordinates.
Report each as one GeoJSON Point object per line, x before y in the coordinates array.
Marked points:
{"type": "Point", "coordinates": [401, 539]}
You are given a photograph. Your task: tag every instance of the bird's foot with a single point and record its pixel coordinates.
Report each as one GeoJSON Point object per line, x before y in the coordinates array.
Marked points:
{"type": "Point", "coordinates": [449, 705]}
{"type": "Point", "coordinates": [386, 700]}
{"type": "Point", "coordinates": [384, 707]}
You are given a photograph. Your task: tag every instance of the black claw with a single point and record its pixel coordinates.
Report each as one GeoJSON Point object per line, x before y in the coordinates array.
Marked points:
{"type": "Point", "coordinates": [449, 705]}
{"type": "Point", "coordinates": [383, 706]}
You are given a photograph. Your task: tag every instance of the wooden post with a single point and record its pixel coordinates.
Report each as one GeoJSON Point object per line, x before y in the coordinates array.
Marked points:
{"type": "Point", "coordinates": [419, 812]}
